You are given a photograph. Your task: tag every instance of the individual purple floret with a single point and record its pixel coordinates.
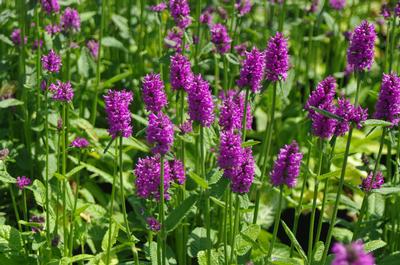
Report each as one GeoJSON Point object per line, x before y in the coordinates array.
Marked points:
{"type": "Point", "coordinates": [159, 7]}
{"type": "Point", "coordinates": [181, 76]}
{"type": "Point", "coordinates": [70, 20]}
{"type": "Point", "coordinates": [242, 176]}
{"type": "Point", "coordinates": [243, 7]}
{"type": "Point", "coordinates": [177, 171]}
{"type": "Point", "coordinates": [148, 172]}
{"type": "Point", "coordinates": [160, 133]}
{"type": "Point", "coordinates": [51, 62]}
{"type": "Point", "coordinates": [118, 114]}
{"type": "Point", "coordinates": [277, 58]}
{"type": "Point", "coordinates": [360, 53]}
{"type": "Point", "coordinates": [337, 4]}
{"type": "Point", "coordinates": [232, 111]}
{"type": "Point", "coordinates": [349, 114]}
{"type": "Point", "coordinates": [93, 47]}
{"type": "Point", "coordinates": [385, 11]}
{"type": "Point", "coordinates": [241, 49]}
{"type": "Point", "coordinates": [173, 40]}
{"type": "Point", "coordinates": [37, 44]}
{"type": "Point", "coordinates": [22, 182]}
{"type": "Point", "coordinates": [352, 254]}
{"type": "Point", "coordinates": [206, 16]}
{"type": "Point", "coordinates": [52, 29]}
{"type": "Point", "coordinates": [153, 93]}
{"type": "Point", "coordinates": [50, 6]}
{"type": "Point", "coordinates": [79, 142]}
{"type": "Point", "coordinates": [201, 105]}
{"type": "Point", "coordinates": [180, 11]}
{"type": "Point", "coordinates": [397, 9]}
{"type": "Point", "coordinates": [287, 166]}
{"type": "Point", "coordinates": [186, 127]}
{"type": "Point", "coordinates": [62, 91]}
{"type": "Point", "coordinates": [220, 38]}
{"type": "Point", "coordinates": [16, 37]}
{"type": "Point", "coordinates": [252, 71]}
{"type": "Point", "coordinates": [230, 150]}
{"type": "Point", "coordinates": [367, 184]}
{"type": "Point", "coordinates": [388, 105]}
{"type": "Point", "coordinates": [153, 224]}
{"type": "Point", "coordinates": [323, 126]}
{"type": "Point", "coordinates": [37, 219]}
{"type": "Point", "coordinates": [323, 94]}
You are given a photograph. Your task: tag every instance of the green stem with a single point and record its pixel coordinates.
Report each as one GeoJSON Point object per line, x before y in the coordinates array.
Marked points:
{"type": "Point", "coordinates": [198, 26]}
{"type": "Point", "coordinates": [267, 153]}
{"type": "Point", "coordinates": [64, 173]}
{"type": "Point", "coordinates": [244, 119]}
{"type": "Point", "coordinates": [314, 206]}
{"type": "Point", "coordinates": [46, 130]}
{"type": "Point", "coordinates": [98, 64]}
{"type": "Point", "coordinates": [341, 180]}
{"type": "Point", "coordinates": [276, 224]}
{"type": "Point", "coordinates": [235, 228]}
{"type": "Point", "coordinates": [225, 227]}
{"type": "Point", "coordinates": [299, 207]}
{"type": "Point", "coordinates": [112, 205]}
{"type": "Point", "coordinates": [162, 201]}
{"type": "Point", "coordinates": [393, 34]}
{"type": "Point", "coordinates": [71, 239]}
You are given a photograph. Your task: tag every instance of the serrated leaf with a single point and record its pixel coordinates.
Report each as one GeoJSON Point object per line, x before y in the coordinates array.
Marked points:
{"type": "Point", "coordinates": [179, 213]}
{"type": "Point", "coordinates": [294, 241]}
{"type": "Point", "coordinates": [200, 181]}
{"type": "Point", "coordinates": [232, 58]}
{"type": "Point", "coordinates": [106, 240]}
{"type": "Point", "coordinates": [198, 241]}
{"type": "Point", "coordinates": [374, 245]}
{"type": "Point", "coordinates": [10, 239]}
{"type": "Point", "coordinates": [342, 234]}
{"type": "Point", "coordinates": [374, 122]}
{"type": "Point", "coordinates": [387, 190]}
{"type": "Point", "coordinates": [39, 192]}
{"type": "Point", "coordinates": [10, 102]}
{"type": "Point", "coordinates": [113, 42]}
{"type": "Point", "coordinates": [108, 83]}
{"type": "Point", "coordinates": [83, 65]}
{"type": "Point", "coordinates": [246, 239]}
{"type": "Point", "coordinates": [74, 171]}
{"type": "Point", "coordinates": [80, 257]}
{"type": "Point", "coordinates": [214, 257]}
{"type": "Point", "coordinates": [318, 252]}
{"type": "Point", "coordinates": [250, 143]}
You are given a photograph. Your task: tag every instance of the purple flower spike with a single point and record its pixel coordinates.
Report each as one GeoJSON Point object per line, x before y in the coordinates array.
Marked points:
{"type": "Point", "coordinates": [230, 150]}
{"type": "Point", "coordinates": [173, 40]}
{"type": "Point", "coordinates": [118, 114]}
{"type": "Point", "coordinates": [177, 171]}
{"type": "Point", "coordinates": [337, 4]}
{"type": "Point", "coordinates": [153, 224]}
{"type": "Point", "coordinates": [52, 29]}
{"type": "Point", "coordinates": [148, 172]}
{"type": "Point", "coordinates": [79, 142]}
{"type": "Point", "coordinates": [277, 58]}
{"type": "Point", "coordinates": [360, 53]}
{"type": "Point", "coordinates": [353, 254]}
{"type": "Point", "coordinates": [388, 105]}
{"type": "Point", "coordinates": [93, 47]}
{"type": "Point", "coordinates": [160, 133]}
{"type": "Point", "coordinates": [252, 72]}
{"type": "Point", "coordinates": [22, 182]}
{"type": "Point", "coordinates": [181, 76]}
{"type": "Point", "coordinates": [397, 9]}
{"type": "Point", "coordinates": [367, 184]}
{"type": "Point", "coordinates": [385, 11]}
{"type": "Point", "coordinates": [186, 127]}
{"type": "Point", "coordinates": [323, 126]}
{"type": "Point", "coordinates": [153, 93]}
{"type": "Point", "coordinates": [16, 37]}
{"type": "Point", "coordinates": [70, 20]}
{"type": "Point", "coordinates": [287, 166]}
{"type": "Point", "coordinates": [349, 114]}
{"type": "Point", "coordinates": [158, 8]}
{"type": "Point", "coordinates": [220, 38]}
{"type": "Point", "coordinates": [62, 91]}
{"type": "Point", "coordinates": [201, 105]}
{"type": "Point", "coordinates": [323, 94]}
{"type": "Point", "coordinates": [51, 62]}
{"type": "Point", "coordinates": [232, 111]}
{"type": "Point", "coordinates": [50, 6]}
{"type": "Point", "coordinates": [243, 7]}
{"type": "Point", "coordinates": [206, 16]}
{"type": "Point", "coordinates": [242, 176]}
{"type": "Point", "coordinates": [180, 11]}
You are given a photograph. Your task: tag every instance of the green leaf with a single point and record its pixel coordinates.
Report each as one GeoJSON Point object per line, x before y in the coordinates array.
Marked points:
{"type": "Point", "coordinates": [232, 58]}
{"type": "Point", "coordinates": [153, 253]}
{"type": "Point", "coordinates": [39, 192]}
{"type": "Point", "coordinates": [113, 42]}
{"type": "Point", "coordinates": [178, 214]}
{"type": "Point", "coordinates": [83, 65]}
{"type": "Point", "coordinates": [10, 102]}
{"type": "Point", "coordinates": [246, 239]}
{"type": "Point", "coordinates": [10, 239]}
{"type": "Point", "coordinates": [107, 177]}
{"type": "Point", "coordinates": [6, 40]}
{"type": "Point", "coordinates": [113, 239]}
{"type": "Point", "coordinates": [332, 174]}
{"type": "Point", "coordinates": [392, 259]}
{"type": "Point", "coordinates": [121, 23]}
{"type": "Point", "coordinates": [374, 245]}
{"type": "Point", "coordinates": [214, 176]}
{"type": "Point", "coordinates": [214, 257]}
{"type": "Point", "coordinates": [198, 241]}
{"type": "Point", "coordinates": [373, 122]}
{"type": "Point", "coordinates": [219, 188]}
{"type": "Point", "coordinates": [80, 257]}
{"type": "Point", "coordinates": [387, 190]}
{"type": "Point", "coordinates": [250, 143]}
{"type": "Point", "coordinates": [294, 241]}
{"type": "Point", "coordinates": [74, 171]}
{"type": "Point", "coordinates": [136, 144]}
{"type": "Point", "coordinates": [318, 252]}
{"type": "Point", "coordinates": [4, 176]}
{"type": "Point", "coordinates": [327, 113]}
{"type": "Point", "coordinates": [108, 83]}
{"type": "Point", "coordinates": [342, 234]}
{"type": "Point", "coordinates": [200, 181]}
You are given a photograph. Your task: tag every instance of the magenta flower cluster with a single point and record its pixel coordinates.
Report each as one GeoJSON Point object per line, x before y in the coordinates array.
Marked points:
{"type": "Point", "coordinates": [232, 111]}
{"type": "Point", "coordinates": [360, 53]}
{"type": "Point", "coordinates": [287, 166]}
{"type": "Point", "coordinates": [62, 91]}
{"type": "Point", "coordinates": [337, 4]}
{"type": "Point", "coordinates": [201, 105]}
{"type": "Point", "coordinates": [118, 114]}
{"type": "Point", "coordinates": [388, 105]}
{"type": "Point", "coordinates": [22, 182]}
{"type": "Point", "coordinates": [220, 38]}
{"type": "Point", "coordinates": [153, 93]}
{"type": "Point", "coordinates": [70, 20]}
{"type": "Point", "coordinates": [177, 171]}
{"type": "Point", "coordinates": [242, 175]}
{"type": "Point", "coordinates": [230, 151]}
{"type": "Point", "coordinates": [16, 37]}
{"type": "Point", "coordinates": [277, 58]}
{"type": "Point", "coordinates": [180, 11]}
{"type": "Point", "coordinates": [159, 7]}
{"type": "Point", "coordinates": [371, 183]}
{"type": "Point", "coordinates": [181, 76]}
{"type": "Point", "coordinates": [51, 62]}
{"type": "Point", "coordinates": [252, 71]}
{"type": "Point", "coordinates": [79, 142]}
{"type": "Point", "coordinates": [93, 47]}
{"type": "Point", "coordinates": [50, 6]}
{"type": "Point", "coordinates": [153, 224]}
{"type": "Point", "coordinates": [352, 254]}
{"type": "Point", "coordinates": [160, 133]}
{"type": "Point", "coordinates": [243, 7]}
